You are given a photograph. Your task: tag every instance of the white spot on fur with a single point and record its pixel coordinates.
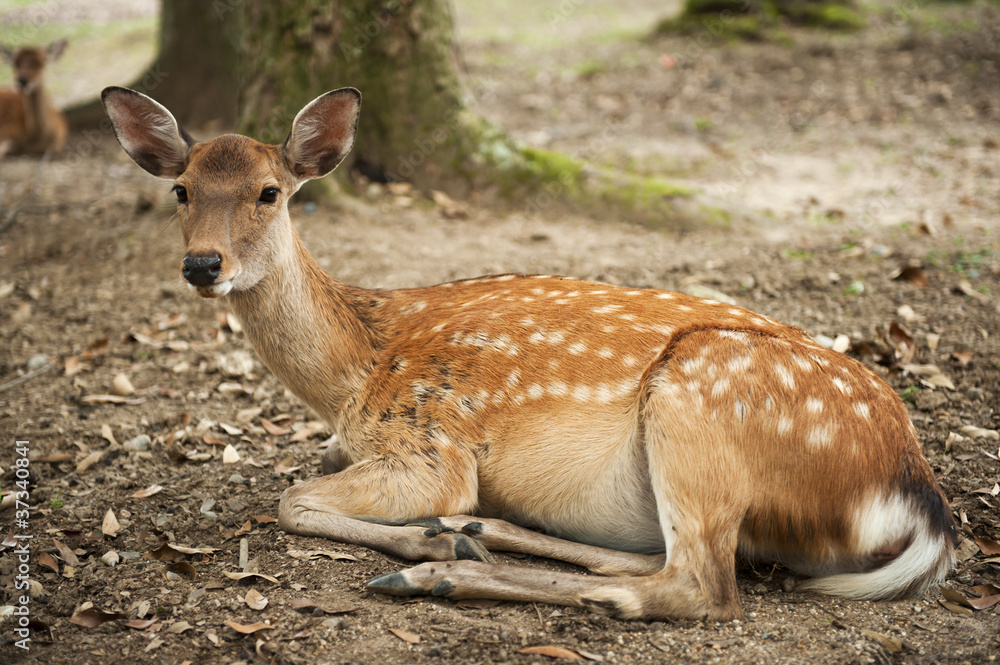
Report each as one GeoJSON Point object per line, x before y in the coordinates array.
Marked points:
{"type": "Point", "coordinates": [665, 296]}
{"type": "Point", "coordinates": [684, 308]}
{"type": "Point", "coordinates": [784, 375]}
{"type": "Point", "coordinates": [633, 293]}
{"type": "Point", "coordinates": [820, 435]}
{"type": "Point", "coordinates": [535, 391]}
{"type": "Point", "coordinates": [861, 408]}
{"type": "Point", "coordinates": [692, 365]}
{"type": "Point", "coordinates": [737, 335]}
{"type": "Point", "coordinates": [582, 393]}
{"type": "Point", "coordinates": [842, 385]}
{"type": "Point", "coordinates": [606, 353]}
{"type": "Point", "coordinates": [814, 405]}
{"type": "Point", "coordinates": [576, 348]}
{"type": "Point", "coordinates": [739, 364]}
{"type": "Point", "coordinates": [721, 386]}
{"type": "Point", "coordinates": [418, 306]}
{"type": "Point", "coordinates": [527, 322]}
{"type": "Point", "coordinates": [537, 337]}
{"type": "Point", "coordinates": [628, 361]}
{"type": "Point", "coordinates": [627, 317]}
{"type": "Point", "coordinates": [558, 389]}
{"type": "Point", "coordinates": [803, 364]}
{"type": "Point", "coordinates": [741, 410]}
{"type": "Point", "coordinates": [606, 309]}
{"type": "Point", "coordinates": [735, 312]}
{"type": "Point", "coordinates": [784, 425]}
{"type": "Point", "coordinates": [603, 393]}
{"type": "Point", "coordinates": [514, 378]}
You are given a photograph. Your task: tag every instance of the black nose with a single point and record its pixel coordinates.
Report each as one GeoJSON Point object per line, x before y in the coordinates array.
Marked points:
{"type": "Point", "coordinates": [23, 82]}
{"type": "Point", "coordinates": [202, 270]}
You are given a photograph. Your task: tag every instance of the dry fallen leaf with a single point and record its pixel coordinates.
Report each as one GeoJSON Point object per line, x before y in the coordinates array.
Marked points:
{"type": "Point", "coordinates": [264, 519]}
{"type": "Point", "coordinates": [54, 458]}
{"type": "Point", "coordinates": [892, 644]}
{"type": "Point", "coordinates": [107, 434]}
{"type": "Point", "coordinates": [913, 275]}
{"type": "Point", "coordinates": [229, 455]}
{"type": "Point", "coordinates": [979, 432]}
{"type": "Point", "coordinates": [273, 429]}
{"type": "Point", "coordinates": [67, 554]}
{"type": "Point", "coordinates": [49, 561]}
{"type": "Point", "coordinates": [110, 526]}
{"type": "Point", "coordinates": [987, 546]}
{"type": "Point", "coordinates": [284, 466]}
{"type": "Point", "coordinates": [111, 399]}
{"type": "Point", "coordinates": [149, 491]}
{"type": "Point", "coordinates": [306, 555]}
{"type": "Point", "coordinates": [179, 627]}
{"type": "Point", "coordinates": [243, 576]}
{"type": "Point", "coordinates": [89, 461]}
{"type": "Point", "coordinates": [93, 617]}
{"type": "Point", "coordinates": [255, 600]}
{"type": "Point", "coordinates": [963, 357]}
{"type": "Point", "coordinates": [139, 624]}
{"type": "Point", "coordinates": [405, 635]}
{"type": "Point", "coordinates": [965, 287]}
{"type": "Point", "coordinates": [183, 569]}
{"type": "Point", "coordinates": [247, 629]}
{"type": "Point", "coordinates": [213, 440]}
{"type": "Point", "coordinates": [552, 652]}
{"type": "Point", "coordinates": [121, 385]}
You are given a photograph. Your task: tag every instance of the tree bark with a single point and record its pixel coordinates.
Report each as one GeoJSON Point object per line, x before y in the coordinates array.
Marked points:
{"type": "Point", "coordinates": [401, 54]}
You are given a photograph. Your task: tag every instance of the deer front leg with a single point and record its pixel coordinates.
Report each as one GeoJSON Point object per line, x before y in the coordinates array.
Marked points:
{"type": "Point", "coordinates": [501, 536]}
{"type": "Point", "coordinates": [362, 503]}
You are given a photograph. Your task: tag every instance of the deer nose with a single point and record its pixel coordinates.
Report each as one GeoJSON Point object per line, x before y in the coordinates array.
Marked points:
{"type": "Point", "coordinates": [22, 82]}
{"type": "Point", "coordinates": [202, 270]}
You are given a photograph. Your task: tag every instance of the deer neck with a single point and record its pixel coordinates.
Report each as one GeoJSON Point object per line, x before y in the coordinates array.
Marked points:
{"type": "Point", "coordinates": [310, 330]}
{"type": "Point", "coordinates": [36, 105]}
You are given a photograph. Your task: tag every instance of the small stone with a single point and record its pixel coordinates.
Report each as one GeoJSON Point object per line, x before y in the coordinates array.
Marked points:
{"type": "Point", "coordinates": [37, 362]}
{"type": "Point", "coordinates": [976, 395]}
{"type": "Point", "coordinates": [235, 479]}
{"type": "Point", "coordinates": [140, 442]}
{"type": "Point", "coordinates": [111, 559]}
{"type": "Point", "coordinates": [434, 652]}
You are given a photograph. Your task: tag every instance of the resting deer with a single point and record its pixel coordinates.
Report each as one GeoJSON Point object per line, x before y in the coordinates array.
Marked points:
{"type": "Point", "coordinates": [652, 437]}
{"type": "Point", "coordinates": [29, 122]}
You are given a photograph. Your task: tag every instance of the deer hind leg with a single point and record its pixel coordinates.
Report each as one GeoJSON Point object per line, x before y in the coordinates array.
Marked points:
{"type": "Point", "coordinates": [364, 503]}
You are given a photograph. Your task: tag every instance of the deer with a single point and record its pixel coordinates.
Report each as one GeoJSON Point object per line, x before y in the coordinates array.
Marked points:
{"type": "Point", "coordinates": [649, 437]}
{"type": "Point", "coordinates": [30, 124]}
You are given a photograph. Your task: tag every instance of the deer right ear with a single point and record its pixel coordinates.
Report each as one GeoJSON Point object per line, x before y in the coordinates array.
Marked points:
{"type": "Point", "coordinates": [323, 133]}
{"type": "Point", "coordinates": [147, 132]}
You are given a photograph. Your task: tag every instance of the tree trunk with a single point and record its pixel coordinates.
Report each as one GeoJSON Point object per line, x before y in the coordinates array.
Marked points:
{"type": "Point", "coordinates": [193, 75]}
{"type": "Point", "coordinates": [400, 54]}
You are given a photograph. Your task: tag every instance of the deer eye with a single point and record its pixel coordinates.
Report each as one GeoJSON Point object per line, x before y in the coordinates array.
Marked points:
{"type": "Point", "coordinates": [181, 192]}
{"type": "Point", "coordinates": [269, 195]}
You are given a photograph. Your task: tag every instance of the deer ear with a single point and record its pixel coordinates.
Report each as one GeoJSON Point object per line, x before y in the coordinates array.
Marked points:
{"type": "Point", "coordinates": [147, 132]}
{"type": "Point", "coordinates": [56, 48]}
{"type": "Point", "coordinates": [323, 133]}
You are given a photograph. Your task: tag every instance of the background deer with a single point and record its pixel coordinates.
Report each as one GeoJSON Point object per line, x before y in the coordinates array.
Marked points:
{"type": "Point", "coordinates": [652, 436]}
{"type": "Point", "coordinates": [30, 124]}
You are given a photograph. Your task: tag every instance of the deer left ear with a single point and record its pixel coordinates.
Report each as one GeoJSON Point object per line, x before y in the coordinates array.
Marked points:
{"type": "Point", "coordinates": [323, 133]}
{"type": "Point", "coordinates": [56, 48]}
{"type": "Point", "coordinates": [147, 132]}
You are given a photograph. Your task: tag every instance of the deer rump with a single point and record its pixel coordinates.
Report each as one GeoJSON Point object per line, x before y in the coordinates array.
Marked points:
{"type": "Point", "coordinates": [653, 436]}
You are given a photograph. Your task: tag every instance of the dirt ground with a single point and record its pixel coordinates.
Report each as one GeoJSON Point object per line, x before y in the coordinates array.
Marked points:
{"type": "Point", "coordinates": [865, 154]}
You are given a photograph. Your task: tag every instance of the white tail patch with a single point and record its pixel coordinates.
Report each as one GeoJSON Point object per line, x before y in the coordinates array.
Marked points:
{"type": "Point", "coordinates": [881, 522]}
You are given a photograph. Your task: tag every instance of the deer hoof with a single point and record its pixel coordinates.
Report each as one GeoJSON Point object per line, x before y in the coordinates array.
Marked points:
{"type": "Point", "coordinates": [394, 584]}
